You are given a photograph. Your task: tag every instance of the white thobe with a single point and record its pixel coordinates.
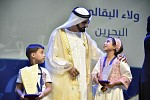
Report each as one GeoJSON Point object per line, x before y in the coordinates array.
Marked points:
{"type": "Point", "coordinates": [78, 51]}
{"type": "Point", "coordinates": [64, 88]}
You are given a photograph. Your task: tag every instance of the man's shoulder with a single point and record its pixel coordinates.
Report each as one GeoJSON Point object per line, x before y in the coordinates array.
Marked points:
{"type": "Point", "coordinates": [57, 32]}
{"type": "Point", "coordinates": [59, 29]}
{"type": "Point", "coordinates": [62, 29]}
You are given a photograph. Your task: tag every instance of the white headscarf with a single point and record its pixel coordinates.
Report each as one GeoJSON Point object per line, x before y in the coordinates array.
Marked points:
{"type": "Point", "coordinates": [78, 15]}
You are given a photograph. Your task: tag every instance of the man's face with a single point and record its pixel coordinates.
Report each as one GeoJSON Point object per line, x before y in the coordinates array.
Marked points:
{"type": "Point", "coordinates": [82, 26]}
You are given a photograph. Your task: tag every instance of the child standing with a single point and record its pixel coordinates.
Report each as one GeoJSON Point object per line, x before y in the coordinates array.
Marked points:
{"type": "Point", "coordinates": [110, 69]}
{"type": "Point", "coordinates": [36, 56]}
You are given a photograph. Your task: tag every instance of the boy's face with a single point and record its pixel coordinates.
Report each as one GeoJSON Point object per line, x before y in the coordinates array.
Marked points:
{"type": "Point", "coordinates": [39, 56]}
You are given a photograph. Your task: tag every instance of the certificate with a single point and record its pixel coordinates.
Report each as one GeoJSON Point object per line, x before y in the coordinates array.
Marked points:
{"type": "Point", "coordinates": [29, 78]}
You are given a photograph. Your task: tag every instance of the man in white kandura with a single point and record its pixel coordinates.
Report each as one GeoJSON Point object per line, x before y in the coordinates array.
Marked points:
{"type": "Point", "coordinates": [70, 51]}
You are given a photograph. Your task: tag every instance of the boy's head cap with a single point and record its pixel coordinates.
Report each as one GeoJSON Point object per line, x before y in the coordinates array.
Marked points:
{"type": "Point", "coordinates": [32, 46]}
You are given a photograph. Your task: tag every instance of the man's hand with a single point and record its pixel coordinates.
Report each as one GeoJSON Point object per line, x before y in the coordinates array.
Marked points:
{"type": "Point", "coordinates": [73, 72]}
{"type": "Point", "coordinates": [122, 57]}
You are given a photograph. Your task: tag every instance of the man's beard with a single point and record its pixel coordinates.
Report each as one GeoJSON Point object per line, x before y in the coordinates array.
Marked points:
{"type": "Point", "coordinates": [80, 29]}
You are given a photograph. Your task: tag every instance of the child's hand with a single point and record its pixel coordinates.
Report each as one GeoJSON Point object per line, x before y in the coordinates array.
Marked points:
{"type": "Point", "coordinates": [41, 96]}
{"type": "Point", "coordinates": [22, 97]}
{"type": "Point", "coordinates": [110, 85]}
{"type": "Point", "coordinates": [104, 88]}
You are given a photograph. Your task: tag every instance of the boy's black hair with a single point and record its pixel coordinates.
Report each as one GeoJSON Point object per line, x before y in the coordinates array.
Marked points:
{"type": "Point", "coordinates": [32, 48]}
